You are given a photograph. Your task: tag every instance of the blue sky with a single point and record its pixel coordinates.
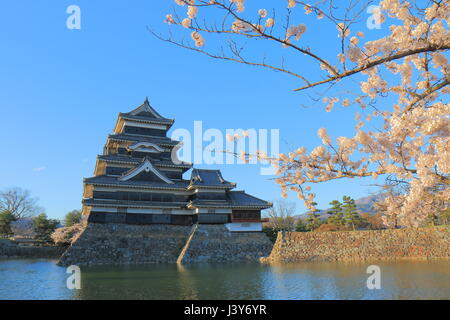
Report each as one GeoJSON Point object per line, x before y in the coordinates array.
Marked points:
{"type": "Point", "coordinates": [61, 91]}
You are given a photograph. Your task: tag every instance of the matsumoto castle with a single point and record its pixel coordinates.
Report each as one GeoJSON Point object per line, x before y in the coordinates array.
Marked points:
{"type": "Point", "coordinates": [136, 182]}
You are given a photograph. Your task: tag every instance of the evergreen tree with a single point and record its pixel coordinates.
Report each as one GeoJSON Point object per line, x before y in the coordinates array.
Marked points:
{"type": "Point", "coordinates": [301, 226]}
{"type": "Point", "coordinates": [6, 217]}
{"type": "Point", "coordinates": [73, 217]}
{"type": "Point", "coordinates": [432, 219]}
{"type": "Point", "coordinates": [271, 233]}
{"type": "Point", "coordinates": [44, 227]}
{"type": "Point", "coordinates": [351, 216]}
{"type": "Point", "coordinates": [336, 213]}
{"type": "Point", "coordinates": [313, 220]}
{"type": "Point", "coordinates": [438, 218]}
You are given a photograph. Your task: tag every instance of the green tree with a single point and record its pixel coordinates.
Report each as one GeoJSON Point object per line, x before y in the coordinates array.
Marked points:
{"type": "Point", "coordinates": [301, 226]}
{"type": "Point", "coordinates": [313, 219]}
{"type": "Point", "coordinates": [73, 217]}
{"type": "Point", "coordinates": [271, 233]}
{"type": "Point", "coordinates": [6, 217]}
{"type": "Point", "coordinates": [351, 216]}
{"type": "Point", "coordinates": [336, 213]}
{"type": "Point", "coordinates": [444, 217]}
{"type": "Point", "coordinates": [432, 219]}
{"type": "Point", "coordinates": [44, 227]}
{"type": "Point", "coordinates": [438, 218]}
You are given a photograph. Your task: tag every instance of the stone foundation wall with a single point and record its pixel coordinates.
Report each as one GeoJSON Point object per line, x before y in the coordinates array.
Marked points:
{"type": "Point", "coordinates": [214, 243]}
{"type": "Point", "coordinates": [10, 249]}
{"type": "Point", "coordinates": [110, 243]}
{"type": "Point", "coordinates": [408, 243]}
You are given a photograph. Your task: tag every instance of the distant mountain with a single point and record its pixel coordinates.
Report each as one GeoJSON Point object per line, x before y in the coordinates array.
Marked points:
{"type": "Point", "coordinates": [23, 227]}
{"type": "Point", "coordinates": [364, 205]}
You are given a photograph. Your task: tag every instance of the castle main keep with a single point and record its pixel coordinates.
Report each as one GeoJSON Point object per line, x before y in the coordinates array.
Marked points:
{"type": "Point", "coordinates": [136, 181]}
{"type": "Point", "coordinates": [140, 208]}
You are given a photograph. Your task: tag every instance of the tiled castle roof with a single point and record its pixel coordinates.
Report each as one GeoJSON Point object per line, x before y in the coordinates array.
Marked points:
{"type": "Point", "coordinates": [130, 137]}
{"type": "Point", "coordinates": [106, 180]}
{"type": "Point", "coordinates": [209, 178]}
{"type": "Point", "coordinates": [133, 160]}
{"type": "Point", "coordinates": [146, 113]}
{"type": "Point", "coordinates": [239, 197]}
{"type": "Point", "coordinates": [145, 118]}
{"type": "Point", "coordinates": [133, 204]}
{"type": "Point", "coordinates": [234, 199]}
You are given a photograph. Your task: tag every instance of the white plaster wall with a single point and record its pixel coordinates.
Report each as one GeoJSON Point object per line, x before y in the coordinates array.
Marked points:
{"type": "Point", "coordinates": [244, 226]}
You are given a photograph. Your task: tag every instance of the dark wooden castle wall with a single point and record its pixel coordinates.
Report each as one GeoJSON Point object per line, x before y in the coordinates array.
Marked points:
{"type": "Point", "coordinates": [144, 131]}
{"type": "Point", "coordinates": [210, 196]}
{"type": "Point", "coordinates": [115, 170]}
{"type": "Point", "coordinates": [213, 218]}
{"type": "Point", "coordinates": [141, 219]}
{"type": "Point", "coordinates": [246, 214]}
{"type": "Point", "coordinates": [139, 196]}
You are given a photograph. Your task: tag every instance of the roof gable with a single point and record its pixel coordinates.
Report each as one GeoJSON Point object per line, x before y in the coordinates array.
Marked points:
{"type": "Point", "coordinates": [145, 167]}
{"type": "Point", "coordinates": [145, 110]}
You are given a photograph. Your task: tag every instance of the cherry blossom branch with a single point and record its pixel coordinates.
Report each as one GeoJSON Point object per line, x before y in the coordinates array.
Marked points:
{"type": "Point", "coordinates": [240, 59]}
{"type": "Point", "coordinates": [399, 55]}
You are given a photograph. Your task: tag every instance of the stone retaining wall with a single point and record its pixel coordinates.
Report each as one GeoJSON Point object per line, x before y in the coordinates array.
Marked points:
{"type": "Point", "coordinates": [10, 249]}
{"type": "Point", "coordinates": [392, 244]}
{"type": "Point", "coordinates": [214, 243]}
{"type": "Point", "coordinates": [110, 243]}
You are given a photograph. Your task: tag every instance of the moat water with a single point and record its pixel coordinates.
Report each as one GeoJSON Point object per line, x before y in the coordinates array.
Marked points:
{"type": "Point", "coordinates": [42, 279]}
